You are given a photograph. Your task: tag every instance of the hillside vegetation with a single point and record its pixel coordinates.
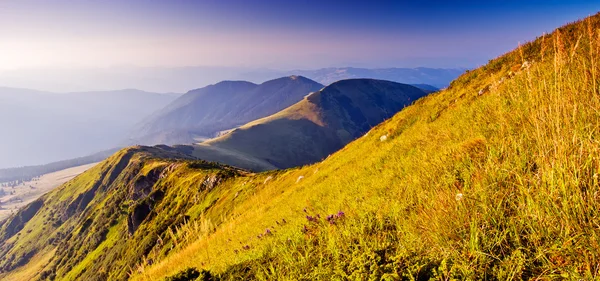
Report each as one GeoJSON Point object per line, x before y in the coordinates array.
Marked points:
{"type": "Point", "coordinates": [494, 178]}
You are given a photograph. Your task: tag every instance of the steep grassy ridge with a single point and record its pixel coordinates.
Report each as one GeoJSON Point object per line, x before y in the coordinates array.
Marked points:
{"type": "Point", "coordinates": [91, 228]}
{"type": "Point", "coordinates": [494, 178]}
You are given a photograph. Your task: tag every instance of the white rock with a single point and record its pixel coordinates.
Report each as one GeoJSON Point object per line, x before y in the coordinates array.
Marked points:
{"type": "Point", "coordinates": [383, 138]}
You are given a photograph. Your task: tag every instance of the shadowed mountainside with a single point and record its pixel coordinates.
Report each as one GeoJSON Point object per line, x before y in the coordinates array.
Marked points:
{"type": "Point", "coordinates": [204, 112]}
{"type": "Point", "coordinates": [315, 127]}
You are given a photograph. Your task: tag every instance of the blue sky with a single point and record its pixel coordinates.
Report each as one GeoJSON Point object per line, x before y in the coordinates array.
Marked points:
{"type": "Point", "coordinates": [273, 34]}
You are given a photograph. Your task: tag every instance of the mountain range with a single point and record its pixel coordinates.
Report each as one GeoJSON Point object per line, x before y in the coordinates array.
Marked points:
{"type": "Point", "coordinates": [204, 112]}
{"type": "Point", "coordinates": [494, 177]}
{"type": "Point", "coordinates": [308, 131]}
{"type": "Point", "coordinates": [41, 127]}
{"type": "Point", "coordinates": [437, 77]}
{"type": "Point", "coordinates": [183, 79]}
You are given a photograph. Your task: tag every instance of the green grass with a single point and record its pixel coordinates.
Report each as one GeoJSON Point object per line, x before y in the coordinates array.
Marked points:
{"type": "Point", "coordinates": [501, 185]}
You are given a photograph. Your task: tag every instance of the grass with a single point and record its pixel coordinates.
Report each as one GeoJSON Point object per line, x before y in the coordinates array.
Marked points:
{"type": "Point", "coordinates": [500, 186]}
{"type": "Point", "coordinates": [494, 178]}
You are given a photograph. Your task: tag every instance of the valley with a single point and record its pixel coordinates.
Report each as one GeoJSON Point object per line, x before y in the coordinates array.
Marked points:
{"type": "Point", "coordinates": [14, 196]}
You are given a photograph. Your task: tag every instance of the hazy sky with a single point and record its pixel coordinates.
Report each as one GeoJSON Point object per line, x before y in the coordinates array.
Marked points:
{"type": "Point", "coordinates": [275, 34]}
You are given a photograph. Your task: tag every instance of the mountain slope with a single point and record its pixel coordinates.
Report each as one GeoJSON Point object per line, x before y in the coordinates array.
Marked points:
{"type": "Point", "coordinates": [320, 124]}
{"type": "Point", "coordinates": [494, 178]}
{"type": "Point", "coordinates": [225, 105]}
{"type": "Point", "coordinates": [42, 127]}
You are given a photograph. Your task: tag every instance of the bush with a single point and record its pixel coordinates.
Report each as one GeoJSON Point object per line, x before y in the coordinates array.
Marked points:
{"type": "Point", "coordinates": [191, 274]}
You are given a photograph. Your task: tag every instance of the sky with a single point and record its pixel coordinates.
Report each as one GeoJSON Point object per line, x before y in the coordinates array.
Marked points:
{"type": "Point", "coordinates": [276, 34]}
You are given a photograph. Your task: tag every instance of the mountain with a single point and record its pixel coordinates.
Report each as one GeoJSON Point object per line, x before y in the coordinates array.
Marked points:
{"type": "Point", "coordinates": [41, 127]}
{"type": "Point", "coordinates": [495, 177]}
{"type": "Point", "coordinates": [436, 77]}
{"type": "Point", "coordinates": [308, 131]}
{"type": "Point", "coordinates": [204, 112]}
{"type": "Point", "coordinates": [182, 79]}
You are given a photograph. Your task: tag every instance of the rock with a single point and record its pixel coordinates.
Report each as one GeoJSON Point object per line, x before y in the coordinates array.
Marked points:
{"type": "Point", "coordinates": [210, 182]}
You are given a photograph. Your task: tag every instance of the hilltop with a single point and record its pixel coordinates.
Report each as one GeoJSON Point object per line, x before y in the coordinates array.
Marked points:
{"type": "Point", "coordinates": [310, 130]}
{"type": "Point", "coordinates": [495, 177]}
{"type": "Point", "coordinates": [202, 113]}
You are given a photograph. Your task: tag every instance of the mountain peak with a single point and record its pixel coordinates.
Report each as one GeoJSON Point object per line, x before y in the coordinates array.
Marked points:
{"type": "Point", "coordinates": [320, 124]}
{"type": "Point", "coordinates": [205, 112]}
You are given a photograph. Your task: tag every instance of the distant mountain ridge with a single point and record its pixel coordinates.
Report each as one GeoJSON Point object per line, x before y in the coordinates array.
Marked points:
{"type": "Point", "coordinates": [40, 127]}
{"type": "Point", "coordinates": [206, 111]}
{"type": "Point", "coordinates": [437, 77]}
{"type": "Point", "coordinates": [308, 131]}
{"type": "Point", "coordinates": [182, 79]}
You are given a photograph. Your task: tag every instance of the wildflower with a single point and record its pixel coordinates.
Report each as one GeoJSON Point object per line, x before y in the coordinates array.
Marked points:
{"type": "Point", "coordinates": [383, 138]}
{"type": "Point", "coordinates": [331, 219]}
{"type": "Point", "coordinates": [458, 196]}
{"type": "Point", "coordinates": [304, 229]}
{"type": "Point", "coordinates": [311, 218]}
{"type": "Point", "coordinates": [268, 232]}
{"type": "Point", "coordinates": [340, 214]}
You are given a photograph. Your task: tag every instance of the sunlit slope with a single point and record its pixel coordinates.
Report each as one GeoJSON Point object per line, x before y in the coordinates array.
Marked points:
{"type": "Point", "coordinates": [320, 124]}
{"type": "Point", "coordinates": [102, 223]}
{"type": "Point", "coordinates": [494, 178]}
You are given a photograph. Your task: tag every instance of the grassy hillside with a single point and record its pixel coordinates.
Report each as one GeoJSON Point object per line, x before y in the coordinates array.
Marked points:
{"type": "Point", "coordinates": [225, 105]}
{"type": "Point", "coordinates": [310, 130]}
{"type": "Point", "coordinates": [494, 178]}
